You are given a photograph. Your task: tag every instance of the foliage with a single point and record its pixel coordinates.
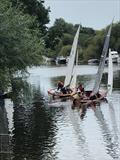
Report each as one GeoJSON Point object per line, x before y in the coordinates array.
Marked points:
{"type": "Point", "coordinates": [4, 80]}
{"type": "Point", "coordinates": [94, 47]}
{"type": "Point", "coordinates": [56, 32]}
{"type": "Point", "coordinates": [34, 8]}
{"type": "Point", "coordinates": [65, 50]}
{"type": "Point", "coordinates": [67, 39]}
{"type": "Point", "coordinates": [115, 40]}
{"type": "Point", "coordinates": [60, 37]}
{"type": "Point", "coordinates": [20, 45]}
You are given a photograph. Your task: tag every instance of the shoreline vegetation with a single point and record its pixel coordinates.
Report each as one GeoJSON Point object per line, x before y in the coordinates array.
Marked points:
{"type": "Point", "coordinates": [25, 38]}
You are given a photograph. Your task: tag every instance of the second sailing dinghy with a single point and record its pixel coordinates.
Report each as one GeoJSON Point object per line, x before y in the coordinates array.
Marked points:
{"type": "Point", "coordinates": [102, 63]}
{"type": "Point", "coordinates": [96, 95]}
{"type": "Point", "coordinates": [69, 78]}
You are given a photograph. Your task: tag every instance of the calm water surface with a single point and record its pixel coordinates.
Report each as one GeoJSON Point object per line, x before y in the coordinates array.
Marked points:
{"type": "Point", "coordinates": [43, 130]}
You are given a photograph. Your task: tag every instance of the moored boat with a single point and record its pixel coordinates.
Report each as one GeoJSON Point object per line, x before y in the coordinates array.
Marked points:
{"type": "Point", "coordinates": [93, 61]}
{"type": "Point", "coordinates": [115, 57]}
{"type": "Point", "coordinates": [61, 60]}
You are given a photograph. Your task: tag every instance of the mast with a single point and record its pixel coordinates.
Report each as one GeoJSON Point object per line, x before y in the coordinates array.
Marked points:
{"type": "Point", "coordinates": [102, 62]}
{"type": "Point", "coordinates": [71, 61]}
{"type": "Point", "coordinates": [110, 73]}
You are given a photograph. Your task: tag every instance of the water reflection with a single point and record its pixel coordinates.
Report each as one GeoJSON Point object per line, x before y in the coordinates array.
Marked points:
{"type": "Point", "coordinates": [34, 128]}
{"type": "Point", "coordinates": [4, 133]}
{"type": "Point", "coordinates": [116, 80]}
{"type": "Point", "coordinates": [113, 119]}
{"type": "Point", "coordinates": [75, 116]}
{"type": "Point", "coordinates": [57, 132]}
{"type": "Point", "coordinates": [3, 118]}
{"type": "Point", "coordinates": [111, 145]}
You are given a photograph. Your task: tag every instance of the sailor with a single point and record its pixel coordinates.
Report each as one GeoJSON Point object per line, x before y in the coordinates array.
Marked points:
{"type": "Point", "coordinates": [80, 88]}
{"type": "Point", "coordinates": [60, 85]}
{"type": "Point", "coordinates": [68, 89]}
{"type": "Point", "coordinates": [95, 96]}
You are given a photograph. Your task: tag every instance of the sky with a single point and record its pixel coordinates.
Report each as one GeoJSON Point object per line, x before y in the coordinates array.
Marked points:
{"type": "Point", "coordinates": [96, 14]}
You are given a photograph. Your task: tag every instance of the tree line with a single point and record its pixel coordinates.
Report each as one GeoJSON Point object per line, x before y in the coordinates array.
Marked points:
{"type": "Point", "coordinates": [24, 38]}
{"type": "Point", "coordinates": [60, 38]}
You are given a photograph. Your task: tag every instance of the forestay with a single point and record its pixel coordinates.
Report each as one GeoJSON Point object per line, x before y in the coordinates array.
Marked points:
{"type": "Point", "coordinates": [102, 62]}
{"type": "Point", "coordinates": [71, 61]}
{"type": "Point", "coordinates": [110, 74]}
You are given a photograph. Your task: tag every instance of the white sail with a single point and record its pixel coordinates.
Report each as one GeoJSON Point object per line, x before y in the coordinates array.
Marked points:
{"type": "Point", "coordinates": [102, 62]}
{"type": "Point", "coordinates": [110, 74]}
{"type": "Point", "coordinates": [71, 61]}
{"type": "Point", "coordinates": [74, 76]}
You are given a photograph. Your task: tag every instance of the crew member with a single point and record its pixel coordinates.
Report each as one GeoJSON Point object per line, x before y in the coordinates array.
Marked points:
{"type": "Point", "coordinates": [60, 85]}
{"type": "Point", "coordinates": [80, 88]}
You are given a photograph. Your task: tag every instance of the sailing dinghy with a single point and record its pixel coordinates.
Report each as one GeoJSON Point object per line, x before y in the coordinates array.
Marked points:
{"type": "Point", "coordinates": [70, 80]}
{"type": "Point", "coordinates": [102, 63]}
{"type": "Point", "coordinates": [96, 95]}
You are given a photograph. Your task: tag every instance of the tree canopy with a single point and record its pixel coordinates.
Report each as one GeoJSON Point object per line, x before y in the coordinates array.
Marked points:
{"type": "Point", "coordinates": [60, 37]}
{"type": "Point", "coordinates": [20, 46]}
{"type": "Point", "coordinates": [34, 8]}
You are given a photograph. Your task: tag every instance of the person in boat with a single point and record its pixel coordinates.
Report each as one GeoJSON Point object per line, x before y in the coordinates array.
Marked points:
{"type": "Point", "coordinates": [64, 90]}
{"type": "Point", "coordinates": [68, 89]}
{"type": "Point", "coordinates": [95, 96]}
{"type": "Point", "coordinates": [80, 89]}
{"type": "Point", "coordinates": [81, 92]}
{"type": "Point", "coordinates": [60, 85]}
{"type": "Point", "coordinates": [78, 96]}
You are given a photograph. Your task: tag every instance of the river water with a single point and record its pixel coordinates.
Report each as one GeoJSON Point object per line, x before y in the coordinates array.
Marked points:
{"type": "Point", "coordinates": [45, 130]}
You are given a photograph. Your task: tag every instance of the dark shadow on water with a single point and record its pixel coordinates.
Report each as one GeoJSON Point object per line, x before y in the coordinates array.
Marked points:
{"type": "Point", "coordinates": [34, 129]}
{"type": "Point", "coordinates": [4, 133]}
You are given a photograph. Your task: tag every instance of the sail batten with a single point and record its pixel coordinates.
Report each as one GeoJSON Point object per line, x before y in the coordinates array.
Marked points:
{"type": "Point", "coordinates": [71, 61]}
{"type": "Point", "coordinates": [102, 62]}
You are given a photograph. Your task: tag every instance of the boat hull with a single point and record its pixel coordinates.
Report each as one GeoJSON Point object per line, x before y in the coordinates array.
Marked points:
{"type": "Point", "coordinates": [77, 101]}
{"type": "Point", "coordinates": [56, 94]}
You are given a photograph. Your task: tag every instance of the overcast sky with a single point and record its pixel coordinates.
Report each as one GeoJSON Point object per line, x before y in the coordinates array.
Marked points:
{"type": "Point", "coordinates": [90, 13]}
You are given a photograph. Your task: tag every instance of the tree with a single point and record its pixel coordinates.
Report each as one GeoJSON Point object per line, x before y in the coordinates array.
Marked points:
{"type": "Point", "coordinates": [57, 31]}
{"type": "Point", "coordinates": [93, 47]}
{"type": "Point", "coordinates": [20, 45]}
{"type": "Point", "coordinates": [34, 8]}
{"type": "Point", "coordinates": [115, 38]}
{"type": "Point", "coordinates": [67, 39]}
{"type": "Point", "coordinates": [65, 50]}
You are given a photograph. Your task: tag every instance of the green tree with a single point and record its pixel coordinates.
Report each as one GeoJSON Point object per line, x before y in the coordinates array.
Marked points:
{"type": "Point", "coordinates": [65, 50]}
{"type": "Point", "coordinates": [115, 38]}
{"type": "Point", "coordinates": [20, 45]}
{"type": "Point", "coordinates": [56, 33]}
{"type": "Point", "coordinates": [67, 39]}
{"type": "Point", "coordinates": [34, 8]}
{"type": "Point", "coordinates": [94, 45]}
